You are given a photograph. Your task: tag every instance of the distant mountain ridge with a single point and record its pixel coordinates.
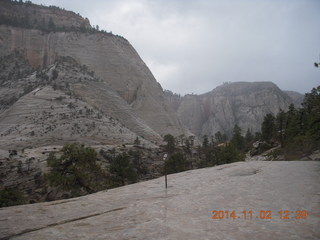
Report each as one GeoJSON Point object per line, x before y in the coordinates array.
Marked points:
{"type": "Point", "coordinates": [242, 103]}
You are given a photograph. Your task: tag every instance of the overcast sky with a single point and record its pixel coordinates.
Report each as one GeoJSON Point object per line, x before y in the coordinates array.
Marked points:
{"type": "Point", "coordinates": [192, 46]}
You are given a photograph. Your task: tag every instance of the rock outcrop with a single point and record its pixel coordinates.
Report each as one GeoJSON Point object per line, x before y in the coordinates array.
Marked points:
{"type": "Point", "coordinates": [241, 103]}
{"type": "Point", "coordinates": [30, 15]}
{"type": "Point", "coordinates": [112, 59]}
{"type": "Point", "coordinates": [65, 102]}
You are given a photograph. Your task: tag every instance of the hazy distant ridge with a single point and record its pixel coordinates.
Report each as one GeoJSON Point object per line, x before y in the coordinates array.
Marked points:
{"type": "Point", "coordinates": [242, 103]}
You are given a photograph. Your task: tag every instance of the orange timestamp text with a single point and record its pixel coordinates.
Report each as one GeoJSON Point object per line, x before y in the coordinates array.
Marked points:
{"type": "Point", "coordinates": [262, 214]}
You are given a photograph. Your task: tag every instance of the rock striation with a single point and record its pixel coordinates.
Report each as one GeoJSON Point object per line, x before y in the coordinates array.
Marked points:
{"type": "Point", "coordinates": [112, 59]}
{"type": "Point", "coordinates": [65, 102]}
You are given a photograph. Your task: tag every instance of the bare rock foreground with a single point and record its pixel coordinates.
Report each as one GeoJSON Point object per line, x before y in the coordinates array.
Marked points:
{"type": "Point", "coordinates": [184, 211]}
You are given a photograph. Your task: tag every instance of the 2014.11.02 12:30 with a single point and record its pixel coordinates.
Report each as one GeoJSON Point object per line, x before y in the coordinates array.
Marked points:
{"type": "Point", "coordinates": [262, 214]}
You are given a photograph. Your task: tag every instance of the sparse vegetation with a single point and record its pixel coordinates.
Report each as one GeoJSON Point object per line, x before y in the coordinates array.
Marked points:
{"type": "Point", "coordinates": [60, 98]}
{"type": "Point", "coordinates": [29, 20]}
{"type": "Point", "coordinates": [268, 128]}
{"type": "Point", "coordinates": [76, 170]}
{"type": "Point", "coordinates": [170, 146]}
{"type": "Point", "coordinates": [138, 164]}
{"type": "Point", "coordinates": [176, 163]}
{"type": "Point", "coordinates": [10, 197]}
{"type": "Point", "coordinates": [137, 141]}
{"type": "Point", "coordinates": [55, 74]}
{"type": "Point", "coordinates": [122, 171]}
{"type": "Point", "coordinates": [297, 131]}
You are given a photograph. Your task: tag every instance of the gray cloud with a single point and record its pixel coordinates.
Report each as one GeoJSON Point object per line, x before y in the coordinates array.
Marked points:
{"type": "Point", "coordinates": [193, 46]}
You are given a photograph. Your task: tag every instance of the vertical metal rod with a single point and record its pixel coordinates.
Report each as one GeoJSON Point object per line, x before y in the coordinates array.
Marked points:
{"type": "Point", "coordinates": [165, 177]}
{"type": "Point", "coordinates": [165, 169]}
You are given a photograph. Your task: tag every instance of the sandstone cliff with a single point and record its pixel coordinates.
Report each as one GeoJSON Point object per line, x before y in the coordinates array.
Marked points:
{"type": "Point", "coordinates": [62, 103]}
{"type": "Point", "coordinates": [30, 15]}
{"type": "Point", "coordinates": [241, 103]}
{"type": "Point", "coordinates": [112, 58]}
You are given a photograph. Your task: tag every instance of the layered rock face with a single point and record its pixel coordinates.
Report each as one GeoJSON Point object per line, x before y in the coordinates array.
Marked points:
{"type": "Point", "coordinates": [241, 103]}
{"type": "Point", "coordinates": [114, 61]}
{"type": "Point", "coordinates": [65, 103]}
{"type": "Point", "coordinates": [36, 16]}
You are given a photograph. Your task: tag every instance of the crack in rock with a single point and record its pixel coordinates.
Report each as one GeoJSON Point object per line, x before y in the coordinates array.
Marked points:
{"type": "Point", "coordinates": [245, 173]}
{"type": "Point", "coordinates": [60, 223]}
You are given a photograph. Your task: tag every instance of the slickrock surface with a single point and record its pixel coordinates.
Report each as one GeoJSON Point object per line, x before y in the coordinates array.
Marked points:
{"type": "Point", "coordinates": [147, 211]}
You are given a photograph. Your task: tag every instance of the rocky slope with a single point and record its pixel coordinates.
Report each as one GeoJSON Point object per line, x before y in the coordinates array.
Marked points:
{"type": "Point", "coordinates": [65, 102]}
{"type": "Point", "coordinates": [112, 59]}
{"type": "Point", "coordinates": [241, 103]}
{"type": "Point", "coordinates": [24, 170]}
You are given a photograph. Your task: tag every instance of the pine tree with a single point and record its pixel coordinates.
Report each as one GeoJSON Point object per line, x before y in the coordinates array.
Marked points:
{"type": "Point", "coordinates": [176, 163]}
{"type": "Point", "coordinates": [228, 154]}
{"type": "Point", "coordinates": [205, 142]}
{"type": "Point", "coordinates": [170, 147]}
{"type": "Point", "coordinates": [280, 126]}
{"type": "Point", "coordinates": [76, 169]}
{"type": "Point", "coordinates": [137, 141]}
{"type": "Point", "coordinates": [218, 137]}
{"type": "Point", "coordinates": [311, 105]}
{"type": "Point", "coordinates": [122, 170]}
{"type": "Point", "coordinates": [297, 130]}
{"type": "Point", "coordinates": [237, 139]}
{"type": "Point", "coordinates": [249, 138]}
{"type": "Point", "coordinates": [268, 128]}
{"type": "Point", "coordinates": [292, 123]}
